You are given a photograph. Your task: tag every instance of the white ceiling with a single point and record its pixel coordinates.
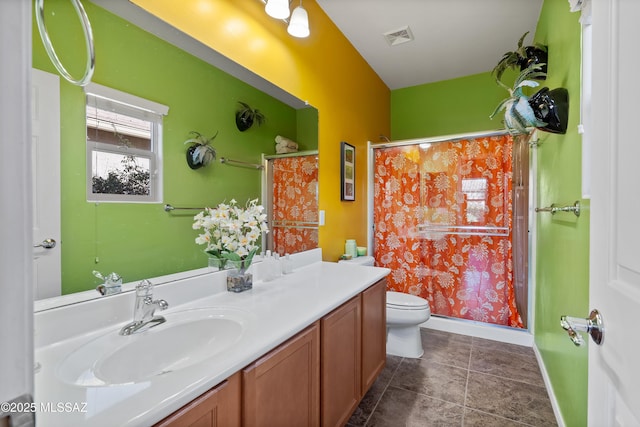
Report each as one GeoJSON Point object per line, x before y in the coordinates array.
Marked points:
{"type": "Point", "coordinates": [453, 38]}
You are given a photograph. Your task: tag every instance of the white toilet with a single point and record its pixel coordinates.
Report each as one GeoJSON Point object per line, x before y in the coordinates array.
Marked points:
{"type": "Point", "coordinates": [405, 313]}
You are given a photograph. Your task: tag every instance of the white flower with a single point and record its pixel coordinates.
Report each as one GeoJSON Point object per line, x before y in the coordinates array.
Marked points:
{"type": "Point", "coordinates": [231, 229]}
{"type": "Point", "coordinates": [202, 239]}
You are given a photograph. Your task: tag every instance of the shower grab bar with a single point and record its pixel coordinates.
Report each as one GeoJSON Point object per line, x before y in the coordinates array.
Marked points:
{"type": "Point", "coordinates": [232, 162]}
{"type": "Point", "coordinates": [311, 225]}
{"type": "Point", "coordinates": [169, 208]}
{"type": "Point", "coordinates": [88, 35]}
{"type": "Point", "coordinates": [464, 230]}
{"type": "Point", "coordinates": [297, 227]}
{"type": "Point", "coordinates": [287, 222]}
{"type": "Point", "coordinates": [575, 208]}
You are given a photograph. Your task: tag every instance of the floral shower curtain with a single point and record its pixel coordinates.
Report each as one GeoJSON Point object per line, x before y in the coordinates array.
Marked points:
{"type": "Point", "coordinates": [465, 186]}
{"type": "Point", "coordinates": [295, 204]}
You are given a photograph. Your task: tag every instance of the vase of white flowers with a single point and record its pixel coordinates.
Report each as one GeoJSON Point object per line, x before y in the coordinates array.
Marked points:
{"type": "Point", "coordinates": [231, 234]}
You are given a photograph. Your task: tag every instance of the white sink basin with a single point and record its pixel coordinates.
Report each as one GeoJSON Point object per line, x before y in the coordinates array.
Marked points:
{"type": "Point", "coordinates": [186, 338]}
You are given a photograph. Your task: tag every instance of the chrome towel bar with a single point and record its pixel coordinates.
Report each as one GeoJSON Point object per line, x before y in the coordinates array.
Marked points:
{"type": "Point", "coordinates": [232, 162]}
{"type": "Point", "coordinates": [295, 224]}
{"type": "Point", "coordinates": [575, 208]}
{"type": "Point", "coordinates": [169, 208]}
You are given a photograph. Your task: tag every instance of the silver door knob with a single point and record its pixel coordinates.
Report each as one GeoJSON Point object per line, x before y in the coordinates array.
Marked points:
{"type": "Point", "coordinates": [46, 244]}
{"type": "Point", "coordinates": [593, 325]}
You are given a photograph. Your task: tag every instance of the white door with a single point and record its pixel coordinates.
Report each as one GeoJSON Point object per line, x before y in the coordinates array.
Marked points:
{"type": "Point", "coordinates": [614, 371]}
{"type": "Point", "coordinates": [45, 155]}
{"type": "Point", "coordinates": [16, 296]}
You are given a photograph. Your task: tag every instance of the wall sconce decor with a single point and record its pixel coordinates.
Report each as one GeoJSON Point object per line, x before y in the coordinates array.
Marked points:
{"type": "Point", "coordinates": [298, 24]}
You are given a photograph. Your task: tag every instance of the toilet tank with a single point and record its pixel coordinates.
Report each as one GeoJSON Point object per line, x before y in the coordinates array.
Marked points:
{"type": "Point", "coordinates": [361, 260]}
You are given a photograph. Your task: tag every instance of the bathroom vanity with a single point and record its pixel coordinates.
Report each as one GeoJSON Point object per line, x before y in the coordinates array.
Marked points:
{"type": "Point", "coordinates": [300, 350]}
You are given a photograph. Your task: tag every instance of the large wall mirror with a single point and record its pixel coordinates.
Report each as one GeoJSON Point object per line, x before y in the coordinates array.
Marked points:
{"type": "Point", "coordinates": [141, 55]}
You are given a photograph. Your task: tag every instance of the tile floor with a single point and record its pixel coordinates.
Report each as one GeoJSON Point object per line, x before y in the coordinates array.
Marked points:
{"type": "Point", "coordinates": [459, 381]}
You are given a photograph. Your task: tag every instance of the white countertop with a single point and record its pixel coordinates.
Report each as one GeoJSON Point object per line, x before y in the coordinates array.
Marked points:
{"type": "Point", "coordinates": [279, 308]}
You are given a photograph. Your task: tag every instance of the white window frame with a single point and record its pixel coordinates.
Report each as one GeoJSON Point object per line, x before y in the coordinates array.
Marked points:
{"type": "Point", "coordinates": [114, 100]}
{"type": "Point", "coordinates": [586, 121]}
{"type": "Point", "coordinates": [586, 82]}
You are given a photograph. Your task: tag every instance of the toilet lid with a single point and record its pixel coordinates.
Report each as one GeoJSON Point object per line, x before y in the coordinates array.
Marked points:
{"type": "Point", "coordinates": [404, 301]}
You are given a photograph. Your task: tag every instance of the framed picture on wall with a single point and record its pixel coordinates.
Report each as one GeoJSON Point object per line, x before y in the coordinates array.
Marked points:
{"type": "Point", "coordinates": [347, 171]}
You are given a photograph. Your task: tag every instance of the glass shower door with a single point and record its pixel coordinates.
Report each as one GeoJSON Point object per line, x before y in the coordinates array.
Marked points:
{"type": "Point", "coordinates": [292, 201]}
{"type": "Point", "coordinates": [443, 216]}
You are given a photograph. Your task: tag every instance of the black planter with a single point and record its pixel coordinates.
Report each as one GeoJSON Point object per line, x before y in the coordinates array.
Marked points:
{"type": "Point", "coordinates": [551, 107]}
{"type": "Point", "coordinates": [190, 162]}
{"type": "Point", "coordinates": [534, 56]}
{"type": "Point", "coordinates": [243, 122]}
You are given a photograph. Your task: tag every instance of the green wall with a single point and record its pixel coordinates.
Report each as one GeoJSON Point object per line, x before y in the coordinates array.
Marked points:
{"type": "Point", "coordinates": [562, 279]}
{"type": "Point", "coordinates": [447, 107]}
{"type": "Point", "coordinates": [142, 240]}
{"type": "Point", "coordinates": [307, 129]}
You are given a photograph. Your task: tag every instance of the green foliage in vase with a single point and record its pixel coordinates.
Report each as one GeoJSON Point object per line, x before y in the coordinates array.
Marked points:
{"type": "Point", "coordinates": [247, 116]}
{"type": "Point", "coordinates": [518, 114]}
{"type": "Point", "coordinates": [203, 153]}
{"type": "Point", "coordinates": [514, 58]}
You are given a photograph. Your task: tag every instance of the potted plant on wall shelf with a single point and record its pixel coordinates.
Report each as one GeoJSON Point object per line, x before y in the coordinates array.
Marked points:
{"type": "Point", "coordinates": [547, 110]}
{"type": "Point", "coordinates": [523, 57]}
{"type": "Point", "coordinates": [200, 153]}
{"type": "Point", "coordinates": [247, 116]}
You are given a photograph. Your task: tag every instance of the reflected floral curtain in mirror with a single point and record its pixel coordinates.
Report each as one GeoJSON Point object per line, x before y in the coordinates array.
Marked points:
{"type": "Point", "coordinates": [295, 204]}
{"type": "Point", "coordinates": [466, 272]}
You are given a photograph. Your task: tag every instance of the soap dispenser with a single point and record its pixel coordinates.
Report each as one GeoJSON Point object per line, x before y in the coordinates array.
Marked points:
{"type": "Point", "coordinates": [351, 248]}
{"type": "Point", "coordinates": [277, 266]}
{"type": "Point", "coordinates": [267, 267]}
{"type": "Point", "coordinates": [287, 265]}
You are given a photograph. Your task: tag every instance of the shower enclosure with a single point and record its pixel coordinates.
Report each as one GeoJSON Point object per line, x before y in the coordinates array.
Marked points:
{"type": "Point", "coordinates": [290, 192]}
{"type": "Point", "coordinates": [445, 223]}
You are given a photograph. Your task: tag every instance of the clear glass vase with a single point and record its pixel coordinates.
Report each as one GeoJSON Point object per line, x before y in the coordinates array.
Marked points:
{"type": "Point", "coordinates": [218, 263]}
{"type": "Point", "coordinates": [238, 277]}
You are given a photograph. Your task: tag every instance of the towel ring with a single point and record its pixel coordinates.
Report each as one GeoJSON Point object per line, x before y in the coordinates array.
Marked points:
{"type": "Point", "coordinates": [88, 35]}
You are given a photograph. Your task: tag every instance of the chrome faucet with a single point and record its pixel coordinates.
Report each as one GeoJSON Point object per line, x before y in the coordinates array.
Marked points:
{"type": "Point", "coordinates": [112, 283]}
{"type": "Point", "coordinates": [143, 312]}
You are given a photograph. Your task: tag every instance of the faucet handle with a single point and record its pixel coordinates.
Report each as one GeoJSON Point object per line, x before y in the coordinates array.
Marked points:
{"type": "Point", "coordinates": [144, 288]}
{"type": "Point", "coordinates": [113, 279]}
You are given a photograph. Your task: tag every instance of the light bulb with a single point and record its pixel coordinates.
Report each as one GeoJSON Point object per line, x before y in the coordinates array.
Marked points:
{"type": "Point", "coordinates": [299, 23]}
{"type": "Point", "coordinates": [278, 9]}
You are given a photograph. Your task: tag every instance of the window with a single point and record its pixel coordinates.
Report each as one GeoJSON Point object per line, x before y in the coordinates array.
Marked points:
{"type": "Point", "coordinates": [475, 191]}
{"type": "Point", "coordinates": [124, 146]}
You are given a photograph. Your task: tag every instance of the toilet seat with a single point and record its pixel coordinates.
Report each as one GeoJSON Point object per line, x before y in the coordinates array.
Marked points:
{"type": "Point", "coordinates": [402, 301]}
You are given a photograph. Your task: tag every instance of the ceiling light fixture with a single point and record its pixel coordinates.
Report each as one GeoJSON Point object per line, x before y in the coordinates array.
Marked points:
{"type": "Point", "coordinates": [278, 9]}
{"type": "Point", "coordinates": [299, 23]}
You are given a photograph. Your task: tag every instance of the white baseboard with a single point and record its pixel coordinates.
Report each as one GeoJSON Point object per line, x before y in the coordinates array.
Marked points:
{"type": "Point", "coordinates": [480, 330]}
{"type": "Point", "coordinates": [547, 384]}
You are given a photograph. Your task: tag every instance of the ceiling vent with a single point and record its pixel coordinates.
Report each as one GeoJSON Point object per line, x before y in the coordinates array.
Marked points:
{"type": "Point", "coordinates": [399, 36]}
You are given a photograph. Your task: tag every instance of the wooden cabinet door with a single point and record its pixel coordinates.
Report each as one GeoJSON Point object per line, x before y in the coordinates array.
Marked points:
{"type": "Point", "coordinates": [219, 406]}
{"type": "Point", "coordinates": [374, 333]}
{"type": "Point", "coordinates": [281, 388]}
{"type": "Point", "coordinates": [341, 363]}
